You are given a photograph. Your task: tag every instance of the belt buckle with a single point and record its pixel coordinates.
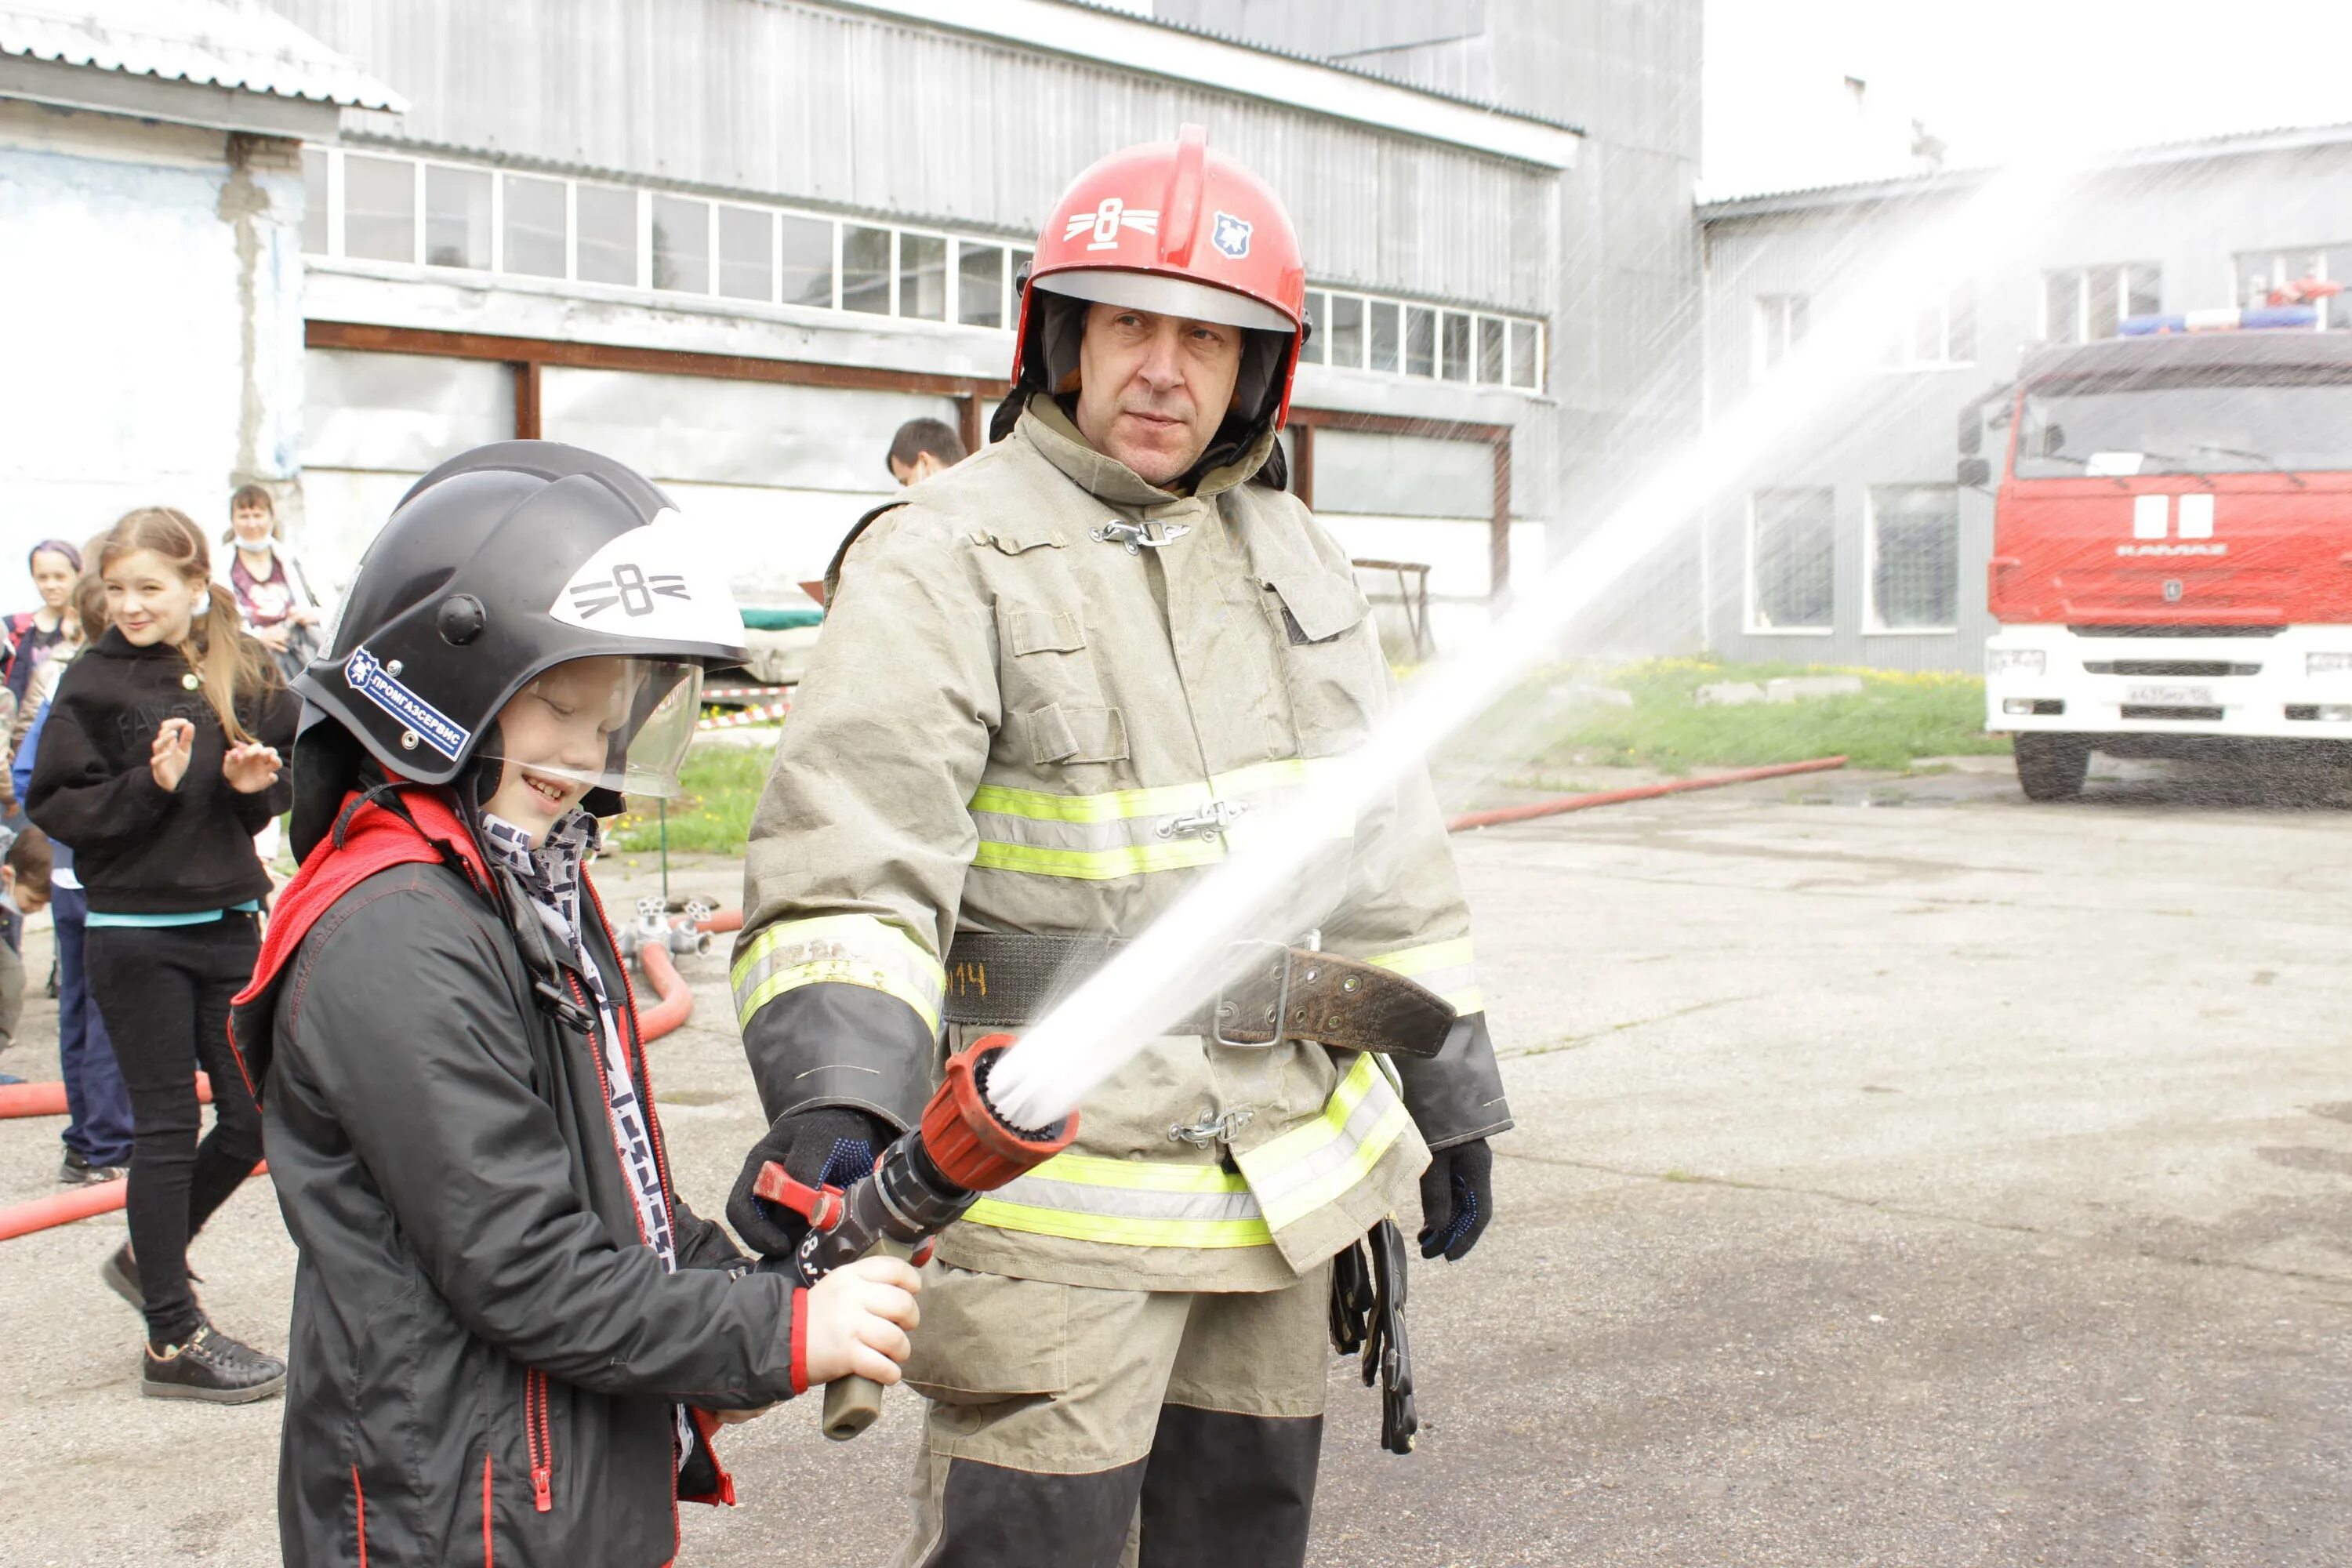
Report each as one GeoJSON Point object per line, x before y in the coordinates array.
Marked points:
{"type": "Point", "coordinates": [1225, 1008]}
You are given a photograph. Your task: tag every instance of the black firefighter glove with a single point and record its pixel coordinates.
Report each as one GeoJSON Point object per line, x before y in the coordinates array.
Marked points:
{"type": "Point", "coordinates": [824, 1146]}
{"type": "Point", "coordinates": [1457, 1199]}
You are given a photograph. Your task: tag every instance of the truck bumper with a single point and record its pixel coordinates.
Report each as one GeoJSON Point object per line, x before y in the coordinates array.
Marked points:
{"type": "Point", "coordinates": [2250, 688]}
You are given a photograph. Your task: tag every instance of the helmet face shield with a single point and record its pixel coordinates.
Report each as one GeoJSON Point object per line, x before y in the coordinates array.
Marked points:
{"type": "Point", "coordinates": [612, 722]}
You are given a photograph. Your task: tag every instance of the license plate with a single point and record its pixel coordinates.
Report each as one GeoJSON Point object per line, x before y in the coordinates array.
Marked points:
{"type": "Point", "coordinates": [2172, 696]}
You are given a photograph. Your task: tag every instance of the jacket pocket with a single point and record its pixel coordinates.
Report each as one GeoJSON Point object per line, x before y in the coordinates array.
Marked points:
{"type": "Point", "coordinates": [1331, 661]}
{"type": "Point", "coordinates": [1028, 631]}
{"type": "Point", "coordinates": [987, 1338]}
{"type": "Point", "coordinates": [1063, 733]}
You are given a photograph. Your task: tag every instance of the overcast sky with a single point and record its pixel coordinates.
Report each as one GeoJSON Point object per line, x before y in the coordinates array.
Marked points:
{"type": "Point", "coordinates": [1993, 78]}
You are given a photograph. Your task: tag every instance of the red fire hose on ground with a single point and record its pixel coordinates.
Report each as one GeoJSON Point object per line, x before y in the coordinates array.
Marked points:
{"type": "Point", "coordinates": [1567, 803]}
{"type": "Point", "coordinates": [49, 1098]}
{"type": "Point", "coordinates": [64, 1209]}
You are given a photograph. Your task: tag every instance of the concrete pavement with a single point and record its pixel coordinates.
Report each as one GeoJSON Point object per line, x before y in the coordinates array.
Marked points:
{"type": "Point", "coordinates": [1904, 1174]}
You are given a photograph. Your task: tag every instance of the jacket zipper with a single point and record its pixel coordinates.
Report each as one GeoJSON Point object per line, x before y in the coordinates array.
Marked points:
{"type": "Point", "coordinates": [539, 1441]}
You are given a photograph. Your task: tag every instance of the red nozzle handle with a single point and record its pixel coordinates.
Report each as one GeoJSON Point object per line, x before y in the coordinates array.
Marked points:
{"type": "Point", "coordinates": [821, 1206]}
{"type": "Point", "coordinates": [971, 1145]}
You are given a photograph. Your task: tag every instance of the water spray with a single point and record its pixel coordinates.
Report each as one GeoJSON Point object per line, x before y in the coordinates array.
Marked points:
{"type": "Point", "coordinates": [1131, 1000]}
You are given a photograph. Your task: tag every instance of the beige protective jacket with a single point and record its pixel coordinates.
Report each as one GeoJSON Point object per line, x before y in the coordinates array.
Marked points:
{"type": "Point", "coordinates": [1013, 725]}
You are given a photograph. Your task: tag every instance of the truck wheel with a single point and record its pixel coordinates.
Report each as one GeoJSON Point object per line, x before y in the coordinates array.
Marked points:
{"type": "Point", "coordinates": [2051, 767]}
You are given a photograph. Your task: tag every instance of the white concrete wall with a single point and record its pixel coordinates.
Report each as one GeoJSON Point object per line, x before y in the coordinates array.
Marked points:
{"type": "Point", "coordinates": [151, 278]}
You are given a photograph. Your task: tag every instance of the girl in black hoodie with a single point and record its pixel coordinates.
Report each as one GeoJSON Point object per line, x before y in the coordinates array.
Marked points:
{"type": "Point", "coordinates": [159, 763]}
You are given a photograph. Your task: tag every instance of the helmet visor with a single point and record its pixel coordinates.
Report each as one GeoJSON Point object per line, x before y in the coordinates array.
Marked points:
{"type": "Point", "coordinates": [1163, 295]}
{"type": "Point", "coordinates": [612, 722]}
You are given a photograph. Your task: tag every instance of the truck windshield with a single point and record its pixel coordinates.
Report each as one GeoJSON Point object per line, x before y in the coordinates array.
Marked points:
{"type": "Point", "coordinates": [2119, 429]}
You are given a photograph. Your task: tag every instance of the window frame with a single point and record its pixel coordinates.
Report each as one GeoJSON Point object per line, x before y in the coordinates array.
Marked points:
{"type": "Point", "coordinates": [1904, 334]}
{"type": "Point", "coordinates": [1769, 323]}
{"type": "Point", "coordinates": [1873, 621]}
{"type": "Point", "coordinates": [1750, 622]}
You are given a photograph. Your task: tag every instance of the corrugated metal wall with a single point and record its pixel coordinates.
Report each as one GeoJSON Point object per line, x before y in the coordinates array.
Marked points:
{"type": "Point", "coordinates": [841, 108]}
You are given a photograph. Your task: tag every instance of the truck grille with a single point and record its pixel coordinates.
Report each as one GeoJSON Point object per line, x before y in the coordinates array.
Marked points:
{"type": "Point", "coordinates": [2179, 715]}
{"type": "Point", "coordinates": [2196, 667]}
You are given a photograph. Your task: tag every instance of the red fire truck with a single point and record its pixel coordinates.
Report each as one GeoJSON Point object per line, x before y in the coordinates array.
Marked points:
{"type": "Point", "coordinates": [2172, 548]}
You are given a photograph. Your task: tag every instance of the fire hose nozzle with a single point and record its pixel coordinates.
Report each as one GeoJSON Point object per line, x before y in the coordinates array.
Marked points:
{"type": "Point", "coordinates": [973, 1145]}
{"type": "Point", "coordinates": [923, 1183]}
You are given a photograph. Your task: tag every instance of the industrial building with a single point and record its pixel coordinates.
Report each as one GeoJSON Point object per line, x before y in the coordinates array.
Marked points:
{"type": "Point", "coordinates": [737, 242]}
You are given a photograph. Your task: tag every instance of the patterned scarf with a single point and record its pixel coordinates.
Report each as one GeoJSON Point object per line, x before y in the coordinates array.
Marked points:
{"type": "Point", "coordinates": [551, 878]}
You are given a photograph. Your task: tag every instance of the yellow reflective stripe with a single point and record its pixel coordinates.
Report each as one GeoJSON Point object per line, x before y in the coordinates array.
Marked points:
{"type": "Point", "coordinates": [1415, 960]}
{"type": "Point", "coordinates": [1098, 865]}
{"type": "Point", "coordinates": [1145, 1203]}
{"type": "Point", "coordinates": [846, 949]}
{"type": "Point", "coordinates": [1116, 807]}
{"type": "Point", "coordinates": [1308, 1166]}
{"type": "Point", "coordinates": [1448, 968]}
{"type": "Point", "coordinates": [1118, 1231]}
{"type": "Point", "coordinates": [1159, 800]}
{"type": "Point", "coordinates": [1123, 843]}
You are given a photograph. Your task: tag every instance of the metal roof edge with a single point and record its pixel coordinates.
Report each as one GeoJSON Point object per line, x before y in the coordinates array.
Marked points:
{"type": "Point", "coordinates": [1146, 45]}
{"type": "Point", "coordinates": [1893, 187]}
{"type": "Point", "coordinates": [172, 101]}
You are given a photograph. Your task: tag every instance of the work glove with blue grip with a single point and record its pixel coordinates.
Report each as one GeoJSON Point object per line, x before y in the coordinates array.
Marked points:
{"type": "Point", "coordinates": [824, 1146]}
{"type": "Point", "coordinates": [1457, 1199]}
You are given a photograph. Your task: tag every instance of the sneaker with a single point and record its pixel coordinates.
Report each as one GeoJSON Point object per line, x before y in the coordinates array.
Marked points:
{"type": "Point", "coordinates": [211, 1367]}
{"type": "Point", "coordinates": [78, 1172]}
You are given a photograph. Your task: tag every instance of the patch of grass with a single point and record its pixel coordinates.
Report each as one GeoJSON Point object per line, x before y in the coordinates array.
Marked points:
{"type": "Point", "coordinates": [1899, 715]}
{"type": "Point", "coordinates": [720, 786]}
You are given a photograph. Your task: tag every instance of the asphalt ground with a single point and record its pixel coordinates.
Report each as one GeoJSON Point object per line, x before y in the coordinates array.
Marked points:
{"type": "Point", "coordinates": [1904, 1174]}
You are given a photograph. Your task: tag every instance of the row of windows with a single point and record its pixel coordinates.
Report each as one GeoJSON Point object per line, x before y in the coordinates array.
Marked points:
{"type": "Point", "coordinates": [2078, 305]}
{"type": "Point", "coordinates": [1911, 559]}
{"type": "Point", "coordinates": [1356, 332]}
{"type": "Point", "coordinates": [371, 206]}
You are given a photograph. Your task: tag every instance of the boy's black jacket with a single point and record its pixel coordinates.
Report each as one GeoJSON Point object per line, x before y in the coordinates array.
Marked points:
{"type": "Point", "coordinates": [140, 848]}
{"type": "Point", "coordinates": [484, 1354]}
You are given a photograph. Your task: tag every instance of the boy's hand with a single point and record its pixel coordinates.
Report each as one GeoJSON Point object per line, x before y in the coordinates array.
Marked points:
{"type": "Point", "coordinates": [168, 758]}
{"type": "Point", "coordinates": [859, 1317]}
{"type": "Point", "coordinates": [249, 769]}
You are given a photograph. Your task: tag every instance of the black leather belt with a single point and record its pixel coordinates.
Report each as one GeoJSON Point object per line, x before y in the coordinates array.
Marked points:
{"type": "Point", "coordinates": [1004, 982]}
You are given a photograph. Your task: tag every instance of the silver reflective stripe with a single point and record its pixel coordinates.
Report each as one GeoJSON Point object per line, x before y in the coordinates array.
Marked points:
{"type": "Point", "coordinates": [1128, 1202]}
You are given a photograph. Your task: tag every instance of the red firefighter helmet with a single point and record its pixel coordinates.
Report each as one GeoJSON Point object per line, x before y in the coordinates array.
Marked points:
{"type": "Point", "coordinates": [1178, 230]}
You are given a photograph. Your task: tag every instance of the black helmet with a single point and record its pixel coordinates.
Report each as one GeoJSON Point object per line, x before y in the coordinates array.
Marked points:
{"type": "Point", "coordinates": [497, 565]}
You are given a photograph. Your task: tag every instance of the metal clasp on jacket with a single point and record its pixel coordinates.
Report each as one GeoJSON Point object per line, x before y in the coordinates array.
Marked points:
{"type": "Point", "coordinates": [1206, 822]}
{"type": "Point", "coordinates": [1138, 536]}
{"type": "Point", "coordinates": [1208, 1129]}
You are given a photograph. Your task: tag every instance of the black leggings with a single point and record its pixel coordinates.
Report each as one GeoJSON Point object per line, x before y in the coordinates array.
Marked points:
{"type": "Point", "coordinates": [163, 992]}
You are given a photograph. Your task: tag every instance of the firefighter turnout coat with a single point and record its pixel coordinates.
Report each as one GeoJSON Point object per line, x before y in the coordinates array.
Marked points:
{"type": "Point", "coordinates": [1016, 723]}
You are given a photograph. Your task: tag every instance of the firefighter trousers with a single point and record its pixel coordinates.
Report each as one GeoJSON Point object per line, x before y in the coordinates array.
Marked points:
{"type": "Point", "coordinates": [1094, 1428]}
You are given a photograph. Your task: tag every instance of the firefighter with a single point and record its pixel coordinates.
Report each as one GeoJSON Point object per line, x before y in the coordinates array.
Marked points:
{"type": "Point", "coordinates": [1057, 684]}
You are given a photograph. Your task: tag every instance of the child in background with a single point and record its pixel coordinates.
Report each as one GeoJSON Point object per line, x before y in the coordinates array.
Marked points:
{"type": "Point", "coordinates": [97, 1134]}
{"type": "Point", "coordinates": [24, 890]}
{"type": "Point", "coordinates": [35, 635]}
{"type": "Point", "coordinates": [159, 761]}
{"type": "Point", "coordinates": [35, 641]}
